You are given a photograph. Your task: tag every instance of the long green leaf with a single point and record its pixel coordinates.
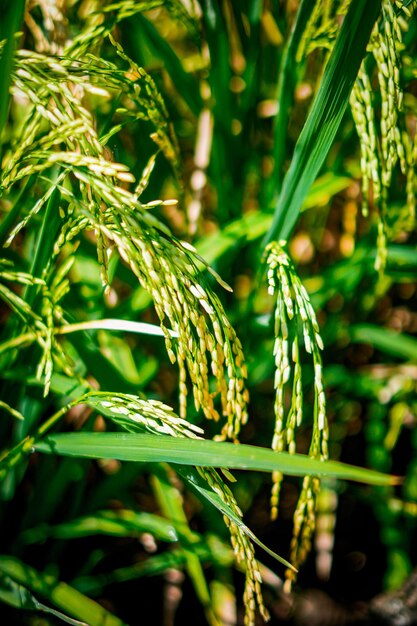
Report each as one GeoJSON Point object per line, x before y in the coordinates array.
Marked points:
{"type": "Point", "coordinates": [386, 340]}
{"type": "Point", "coordinates": [194, 479]}
{"type": "Point", "coordinates": [122, 523]}
{"type": "Point", "coordinates": [152, 566]}
{"type": "Point", "coordinates": [325, 116]}
{"type": "Point", "coordinates": [48, 232]}
{"type": "Point", "coordinates": [252, 226]}
{"type": "Point", "coordinates": [286, 88]}
{"type": "Point", "coordinates": [155, 448]}
{"type": "Point", "coordinates": [115, 324]}
{"type": "Point", "coordinates": [20, 598]}
{"type": "Point", "coordinates": [10, 22]}
{"type": "Point", "coordinates": [62, 595]}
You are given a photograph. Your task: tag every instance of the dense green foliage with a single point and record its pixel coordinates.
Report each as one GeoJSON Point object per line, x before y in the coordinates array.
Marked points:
{"type": "Point", "coordinates": [207, 214]}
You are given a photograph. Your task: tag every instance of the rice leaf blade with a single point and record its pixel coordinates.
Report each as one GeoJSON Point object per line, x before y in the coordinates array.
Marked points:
{"type": "Point", "coordinates": [203, 453]}
{"type": "Point", "coordinates": [60, 594]}
{"type": "Point", "coordinates": [12, 16]}
{"type": "Point", "coordinates": [325, 116]}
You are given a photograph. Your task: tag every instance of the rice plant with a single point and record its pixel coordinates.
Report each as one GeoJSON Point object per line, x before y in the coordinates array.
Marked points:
{"type": "Point", "coordinates": [169, 177]}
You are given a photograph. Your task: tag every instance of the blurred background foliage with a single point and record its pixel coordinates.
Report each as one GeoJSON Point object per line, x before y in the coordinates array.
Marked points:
{"type": "Point", "coordinates": [238, 80]}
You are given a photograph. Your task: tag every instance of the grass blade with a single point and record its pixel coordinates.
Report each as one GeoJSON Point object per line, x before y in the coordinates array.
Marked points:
{"type": "Point", "coordinates": [325, 116]}
{"type": "Point", "coordinates": [60, 594]}
{"type": "Point", "coordinates": [195, 480]}
{"type": "Point", "coordinates": [286, 87]}
{"type": "Point", "coordinates": [386, 340]}
{"type": "Point", "coordinates": [19, 597]}
{"type": "Point", "coordinates": [254, 225]}
{"type": "Point", "coordinates": [12, 16]}
{"type": "Point", "coordinates": [152, 566]}
{"type": "Point", "coordinates": [117, 325]}
{"type": "Point", "coordinates": [156, 448]}
{"type": "Point", "coordinates": [123, 523]}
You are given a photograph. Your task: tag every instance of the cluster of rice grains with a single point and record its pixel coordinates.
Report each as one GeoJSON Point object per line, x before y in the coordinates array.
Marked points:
{"type": "Point", "coordinates": [242, 546]}
{"type": "Point", "coordinates": [166, 268]}
{"type": "Point", "coordinates": [194, 312]}
{"type": "Point", "coordinates": [59, 131]}
{"type": "Point", "coordinates": [134, 413]}
{"type": "Point", "coordinates": [39, 325]}
{"type": "Point", "coordinates": [168, 272]}
{"type": "Point", "coordinates": [295, 319]}
{"type": "Point", "coordinates": [388, 143]}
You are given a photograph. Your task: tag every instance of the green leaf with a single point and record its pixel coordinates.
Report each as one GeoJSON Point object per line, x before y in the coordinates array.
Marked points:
{"type": "Point", "coordinates": [20, 598]}
{"type": "Point", "coordinates": [102, 368]}
{"type": "Point", "coordinates": [286, 88]}
{"type": "Point", "coordinates": [43, 249]}
{"type": "Point", "coordinates": [10, 23]}
{"type": "Point", "coordinates": [116, 325]}
{"type": "Point", "coordinates": [153, 566]}
{"type": "Point", "coordinates": [402, 260]}
{"type": "Point", "coordinates": [157, 448]}
{"type": "Point", "coordinates": [325, 116]}
{"type": "Point", "coordinates": [124, 523]}
{"type": "Point", "coordinates": [387, 340]}
{"type": "Point", "coordinates": [60, 594]}
{"type": "Point", "coordinates": [195, 480]}
{"type": "Point", "coordinates": [254, 225]}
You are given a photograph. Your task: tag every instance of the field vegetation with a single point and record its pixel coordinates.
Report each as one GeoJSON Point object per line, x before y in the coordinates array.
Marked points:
{"type": "Point", "coordinates": [208, 308]}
